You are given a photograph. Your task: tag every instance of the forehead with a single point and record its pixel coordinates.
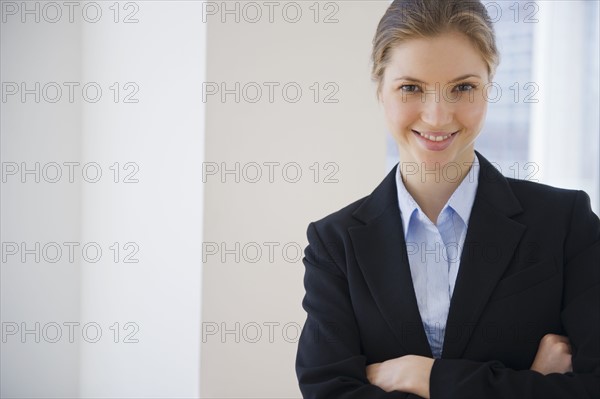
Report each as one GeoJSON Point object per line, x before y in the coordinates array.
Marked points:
{"type": "Point", "coordinates": [441, 57]}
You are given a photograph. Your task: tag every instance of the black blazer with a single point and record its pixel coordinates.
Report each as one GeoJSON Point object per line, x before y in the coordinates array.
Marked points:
{"type": "Point", "coordinates": [530, 266]}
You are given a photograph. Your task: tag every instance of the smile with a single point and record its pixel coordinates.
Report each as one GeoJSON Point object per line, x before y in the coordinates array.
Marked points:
{"type": "Point", "coordinates": [435, 137]}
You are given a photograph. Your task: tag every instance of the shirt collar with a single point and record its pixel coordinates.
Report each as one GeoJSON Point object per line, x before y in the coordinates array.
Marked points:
{"type": "Point", "coordinates": [461, 200]}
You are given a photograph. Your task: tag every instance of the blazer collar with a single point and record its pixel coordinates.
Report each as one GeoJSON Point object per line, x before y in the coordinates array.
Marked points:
{"type": "Point", "coordinates": [380, 249]}
{"type": "Point", "coordinates": [493, 188]}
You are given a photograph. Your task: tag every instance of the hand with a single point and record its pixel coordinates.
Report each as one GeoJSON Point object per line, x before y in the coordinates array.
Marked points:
{"type": "Point", "coordinates": [408, 373]}
{"type": "Point", "coordinates": [553, 355]}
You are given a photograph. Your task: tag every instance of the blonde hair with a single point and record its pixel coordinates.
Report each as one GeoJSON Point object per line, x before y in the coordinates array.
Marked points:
{"type": "Point", "coordinates": [410, 19]}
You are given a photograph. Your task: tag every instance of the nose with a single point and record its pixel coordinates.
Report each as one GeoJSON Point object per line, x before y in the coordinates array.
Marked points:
{"type": "Point", "coordinates": [436, 111]}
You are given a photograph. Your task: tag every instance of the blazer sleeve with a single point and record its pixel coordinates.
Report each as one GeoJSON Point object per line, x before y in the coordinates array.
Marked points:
{"type": "Point", "coordinates": [329, 362]}
{"type": "Point", "coordinates": [580, 315]}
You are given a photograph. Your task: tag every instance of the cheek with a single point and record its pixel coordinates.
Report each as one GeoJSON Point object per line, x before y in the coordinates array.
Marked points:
{"type": "Point", "coordinates": [400, 114]}
{"type": "Point", "coordinates": [472, 115]}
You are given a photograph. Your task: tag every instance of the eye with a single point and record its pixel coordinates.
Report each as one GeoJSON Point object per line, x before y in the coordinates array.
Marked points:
{"type": "Point", "coordinates": [410, 88]}
{"type": "Point", "coordinates": [465, 87]}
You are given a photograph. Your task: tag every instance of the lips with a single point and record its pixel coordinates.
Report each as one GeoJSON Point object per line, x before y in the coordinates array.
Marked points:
{"type": "Point", "coordinates": [435, 136]}
{"type": "Point", "coordinates": [435, 141]}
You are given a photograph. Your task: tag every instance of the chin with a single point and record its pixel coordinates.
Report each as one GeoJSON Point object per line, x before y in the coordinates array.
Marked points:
{"type": "Point", "coordinates": [437, 159]}
{"type": "Point", "coordinates": [431, 159]}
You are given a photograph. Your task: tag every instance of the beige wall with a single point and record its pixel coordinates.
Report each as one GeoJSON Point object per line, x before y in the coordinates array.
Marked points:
{"type": "Point", "coordinates": [257, 298]}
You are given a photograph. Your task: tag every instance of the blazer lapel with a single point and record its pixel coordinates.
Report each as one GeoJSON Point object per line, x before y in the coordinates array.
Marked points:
{"type": "Point", "coordinates": [380, 249]}
{"type": "Point", "coordinates": [492, 237]}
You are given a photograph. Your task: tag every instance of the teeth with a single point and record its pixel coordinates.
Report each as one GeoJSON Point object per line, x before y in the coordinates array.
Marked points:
{"type": "Point", "coordinates": [433, 138]}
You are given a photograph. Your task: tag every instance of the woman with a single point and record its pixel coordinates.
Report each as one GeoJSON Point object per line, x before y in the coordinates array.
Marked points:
{"type": "Point", "coordinates": [449, 280]}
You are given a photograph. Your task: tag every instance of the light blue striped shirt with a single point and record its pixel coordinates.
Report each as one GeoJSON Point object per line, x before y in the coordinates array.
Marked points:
{"type": "Point", "coordinates": [434, 251]}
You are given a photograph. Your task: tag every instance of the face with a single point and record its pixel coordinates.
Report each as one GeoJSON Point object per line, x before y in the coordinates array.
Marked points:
{"type": "Point", "coordinates": [433, 95]}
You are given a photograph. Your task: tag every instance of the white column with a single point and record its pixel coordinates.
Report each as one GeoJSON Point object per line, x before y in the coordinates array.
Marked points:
{"type": "Point", "coordinates": [152, 133]}
{"type": "Point", "coordinates": [154, 130]}
{"type": "Point", "coordinates": [39, 206]}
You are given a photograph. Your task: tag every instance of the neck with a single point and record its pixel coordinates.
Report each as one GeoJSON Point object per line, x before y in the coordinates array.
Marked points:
{"type": "Point", "coordinates": [432, 187]}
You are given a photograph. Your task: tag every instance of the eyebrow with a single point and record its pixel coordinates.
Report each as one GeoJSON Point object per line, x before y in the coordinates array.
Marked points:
{"type": "Point", "coordinates": [463, 77]}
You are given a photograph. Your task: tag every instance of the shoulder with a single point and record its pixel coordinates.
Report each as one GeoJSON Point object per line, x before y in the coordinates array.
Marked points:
{"type": "Point", "coordinates": [515, 196]}
{"type": "Point", "coordinates": [329, 237]}
{"type": "Point", "coordinates": [338, 222]}
{"type": "Point", "coordinates": [566, 210]}
{"type": "Point", "coordinates": [528, 191]}
{"type": "Point", "coordinates": [533, 194]}
{"type": "Point", "coordinates": [358, 212]}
